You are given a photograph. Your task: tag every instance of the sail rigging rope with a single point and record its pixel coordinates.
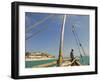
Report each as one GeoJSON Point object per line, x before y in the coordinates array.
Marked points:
{"type": "Point", "coordinates": [38, 23]}
{"type": "Point", "coordinates": [39, 31]}
{"type": "Point", "coordinates": [80, 44]}
{"type": "Point", "coordinates": [77, 43]}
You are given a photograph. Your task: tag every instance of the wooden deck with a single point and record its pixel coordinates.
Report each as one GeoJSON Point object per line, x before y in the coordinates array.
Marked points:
{"type": "Point", "coordinates": [75, 62]}
{"type": "Point", "coordinates": [66, 63]}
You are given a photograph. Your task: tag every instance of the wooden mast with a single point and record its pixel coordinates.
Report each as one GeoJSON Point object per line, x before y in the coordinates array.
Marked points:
{"type": "Point", "coordinates": [60, 58]}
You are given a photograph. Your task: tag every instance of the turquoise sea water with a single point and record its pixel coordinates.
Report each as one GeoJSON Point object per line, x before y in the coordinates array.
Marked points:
{"type": "Point", "coordinates": [29, 64]}
{"type": "Point", "coordinates": [85, 60]}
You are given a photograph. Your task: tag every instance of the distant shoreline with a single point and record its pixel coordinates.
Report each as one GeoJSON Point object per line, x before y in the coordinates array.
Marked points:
{"type": "Point", "coordinates": [39, 59]}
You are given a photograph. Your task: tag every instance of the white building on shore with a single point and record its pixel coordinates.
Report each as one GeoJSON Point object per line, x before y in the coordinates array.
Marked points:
{"type": "Point", "coordinates": [38, 56]}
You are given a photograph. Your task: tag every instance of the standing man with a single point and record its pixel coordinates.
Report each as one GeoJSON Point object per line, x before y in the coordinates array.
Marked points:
{"type": "Point", "coordinates": [72, 55]}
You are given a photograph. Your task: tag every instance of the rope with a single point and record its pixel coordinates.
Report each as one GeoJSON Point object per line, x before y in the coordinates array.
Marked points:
{"type": "Point", "coordinates": [76, 41]}
{"type": "Point", "coordinates": [39, 31]}
{"type": "Point", "coordinates": [79, 41]}
{"type": "Point", "coordinates": [38, 22]}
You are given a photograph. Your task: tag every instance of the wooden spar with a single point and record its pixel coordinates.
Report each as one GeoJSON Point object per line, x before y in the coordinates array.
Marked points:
{"type": "Point", "coordinates": [60, 59]}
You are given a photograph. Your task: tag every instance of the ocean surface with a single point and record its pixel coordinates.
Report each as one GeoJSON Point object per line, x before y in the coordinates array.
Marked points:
{"type": "Point", "coordinates": [85, 60]}
{"type": "Point", "coordinates": [29, 64]}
